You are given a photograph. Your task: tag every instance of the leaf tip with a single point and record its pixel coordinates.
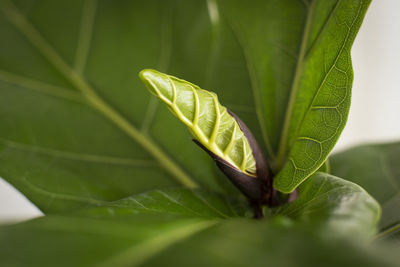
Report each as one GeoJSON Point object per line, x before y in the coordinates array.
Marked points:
{"type": "Point", "coordinates": [148, 76]}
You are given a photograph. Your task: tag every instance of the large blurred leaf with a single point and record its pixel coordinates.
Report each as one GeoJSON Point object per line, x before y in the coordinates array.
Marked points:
{"type": "Point", "coordinates": [376, 168]}
{"type": "Point", "coordinates": [82, 241]}
{"type": "Point", "coordinates": [77, 125]}
{"type": "Point", "coordinates": [163, 240]}
{"type": "Point", "coordinates": [298, 55]}
{"type": "Point", "coordinates": [268, 244]}
{"type": "Point", "coordinates": [184, 227]}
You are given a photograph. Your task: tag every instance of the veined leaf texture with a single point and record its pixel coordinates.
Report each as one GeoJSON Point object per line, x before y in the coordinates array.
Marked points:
{"type": "Point", "coordinates": [208, 121]}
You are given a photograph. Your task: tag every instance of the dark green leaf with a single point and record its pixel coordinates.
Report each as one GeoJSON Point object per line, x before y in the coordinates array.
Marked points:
{"type": "Point", "coordinates": [338, 205]}
{"type": "Point", "coordinates": [191, 203]}
{"type": "Point", "coordinates": [298, 54]}
{"type": "Point", "coordinates": [268, 244]}
{"type": "Point", "coordinates": [179, 228]}
{"type": "Point", "coordinates": [164, 240]}
{"type": "Point", "coordinates": [376, 168]}
{"type": "Point", "coordinates": [77, 125]}
{"type": "Point", "coordinates": [86, 241]}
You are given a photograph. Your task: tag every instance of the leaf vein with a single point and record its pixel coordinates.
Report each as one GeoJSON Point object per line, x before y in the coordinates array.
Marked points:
{"type": "Point", "coordinates": [34, 37]}
{"type": "Point", "coordinates": [79, 156]}
{"type": "Point", "coordinates": [85, 34]}
{"type": "Point", "coordinates": [41, 87]}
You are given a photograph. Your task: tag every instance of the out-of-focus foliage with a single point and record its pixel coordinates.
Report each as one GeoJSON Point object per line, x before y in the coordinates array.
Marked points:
{"type": "Point", "coordinates": [198, 228]}
{"type": "Point", "coordinates": [376, 168]}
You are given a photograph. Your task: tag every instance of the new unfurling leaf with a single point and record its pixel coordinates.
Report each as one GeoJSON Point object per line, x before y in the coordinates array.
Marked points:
{"type": "Point", "coordinates": [205, 117]}
{"type": "Point", "coordinates": [216, 130]}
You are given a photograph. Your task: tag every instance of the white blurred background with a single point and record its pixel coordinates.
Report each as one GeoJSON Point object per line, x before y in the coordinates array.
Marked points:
{"type": "Point", "coordinates": [375, 110]}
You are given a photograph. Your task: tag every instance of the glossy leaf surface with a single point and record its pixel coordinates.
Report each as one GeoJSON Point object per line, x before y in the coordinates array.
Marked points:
{"type": "Point", "coordinates": [339, 205]}
{"type": "Point", "coordinates": [376, 168]}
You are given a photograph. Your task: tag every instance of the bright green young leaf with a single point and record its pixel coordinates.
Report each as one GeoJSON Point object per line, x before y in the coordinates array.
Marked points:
{"type": "Point", "coordinates": [298, 55]}
{"type": "Point", "coordinates": [339, 205]}
{"type": "Point", "coordinates": [206, 118]}
{"type": "Point", "coordinates": [180, 228]}
{"type": "Point", "coordinates": [376, 168]}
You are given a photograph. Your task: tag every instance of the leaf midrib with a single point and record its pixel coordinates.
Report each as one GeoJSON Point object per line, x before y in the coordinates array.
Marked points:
{"type": "Point", "coordinates": [41, 87]}
{"type": "Point", "coordinates": [85, 34]}
{"type": "Point", "coordinates": [34, 37]}
{"type": "Point", "coordinates": [283, 143]}
{"type": "Point", "coordinates": [60, 196]}
{"type": "Point", "coordinates": [69, 155]}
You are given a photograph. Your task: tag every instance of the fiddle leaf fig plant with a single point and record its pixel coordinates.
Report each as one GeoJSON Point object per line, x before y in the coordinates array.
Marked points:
{"type": "Point", "coordinates": [119, 179]}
